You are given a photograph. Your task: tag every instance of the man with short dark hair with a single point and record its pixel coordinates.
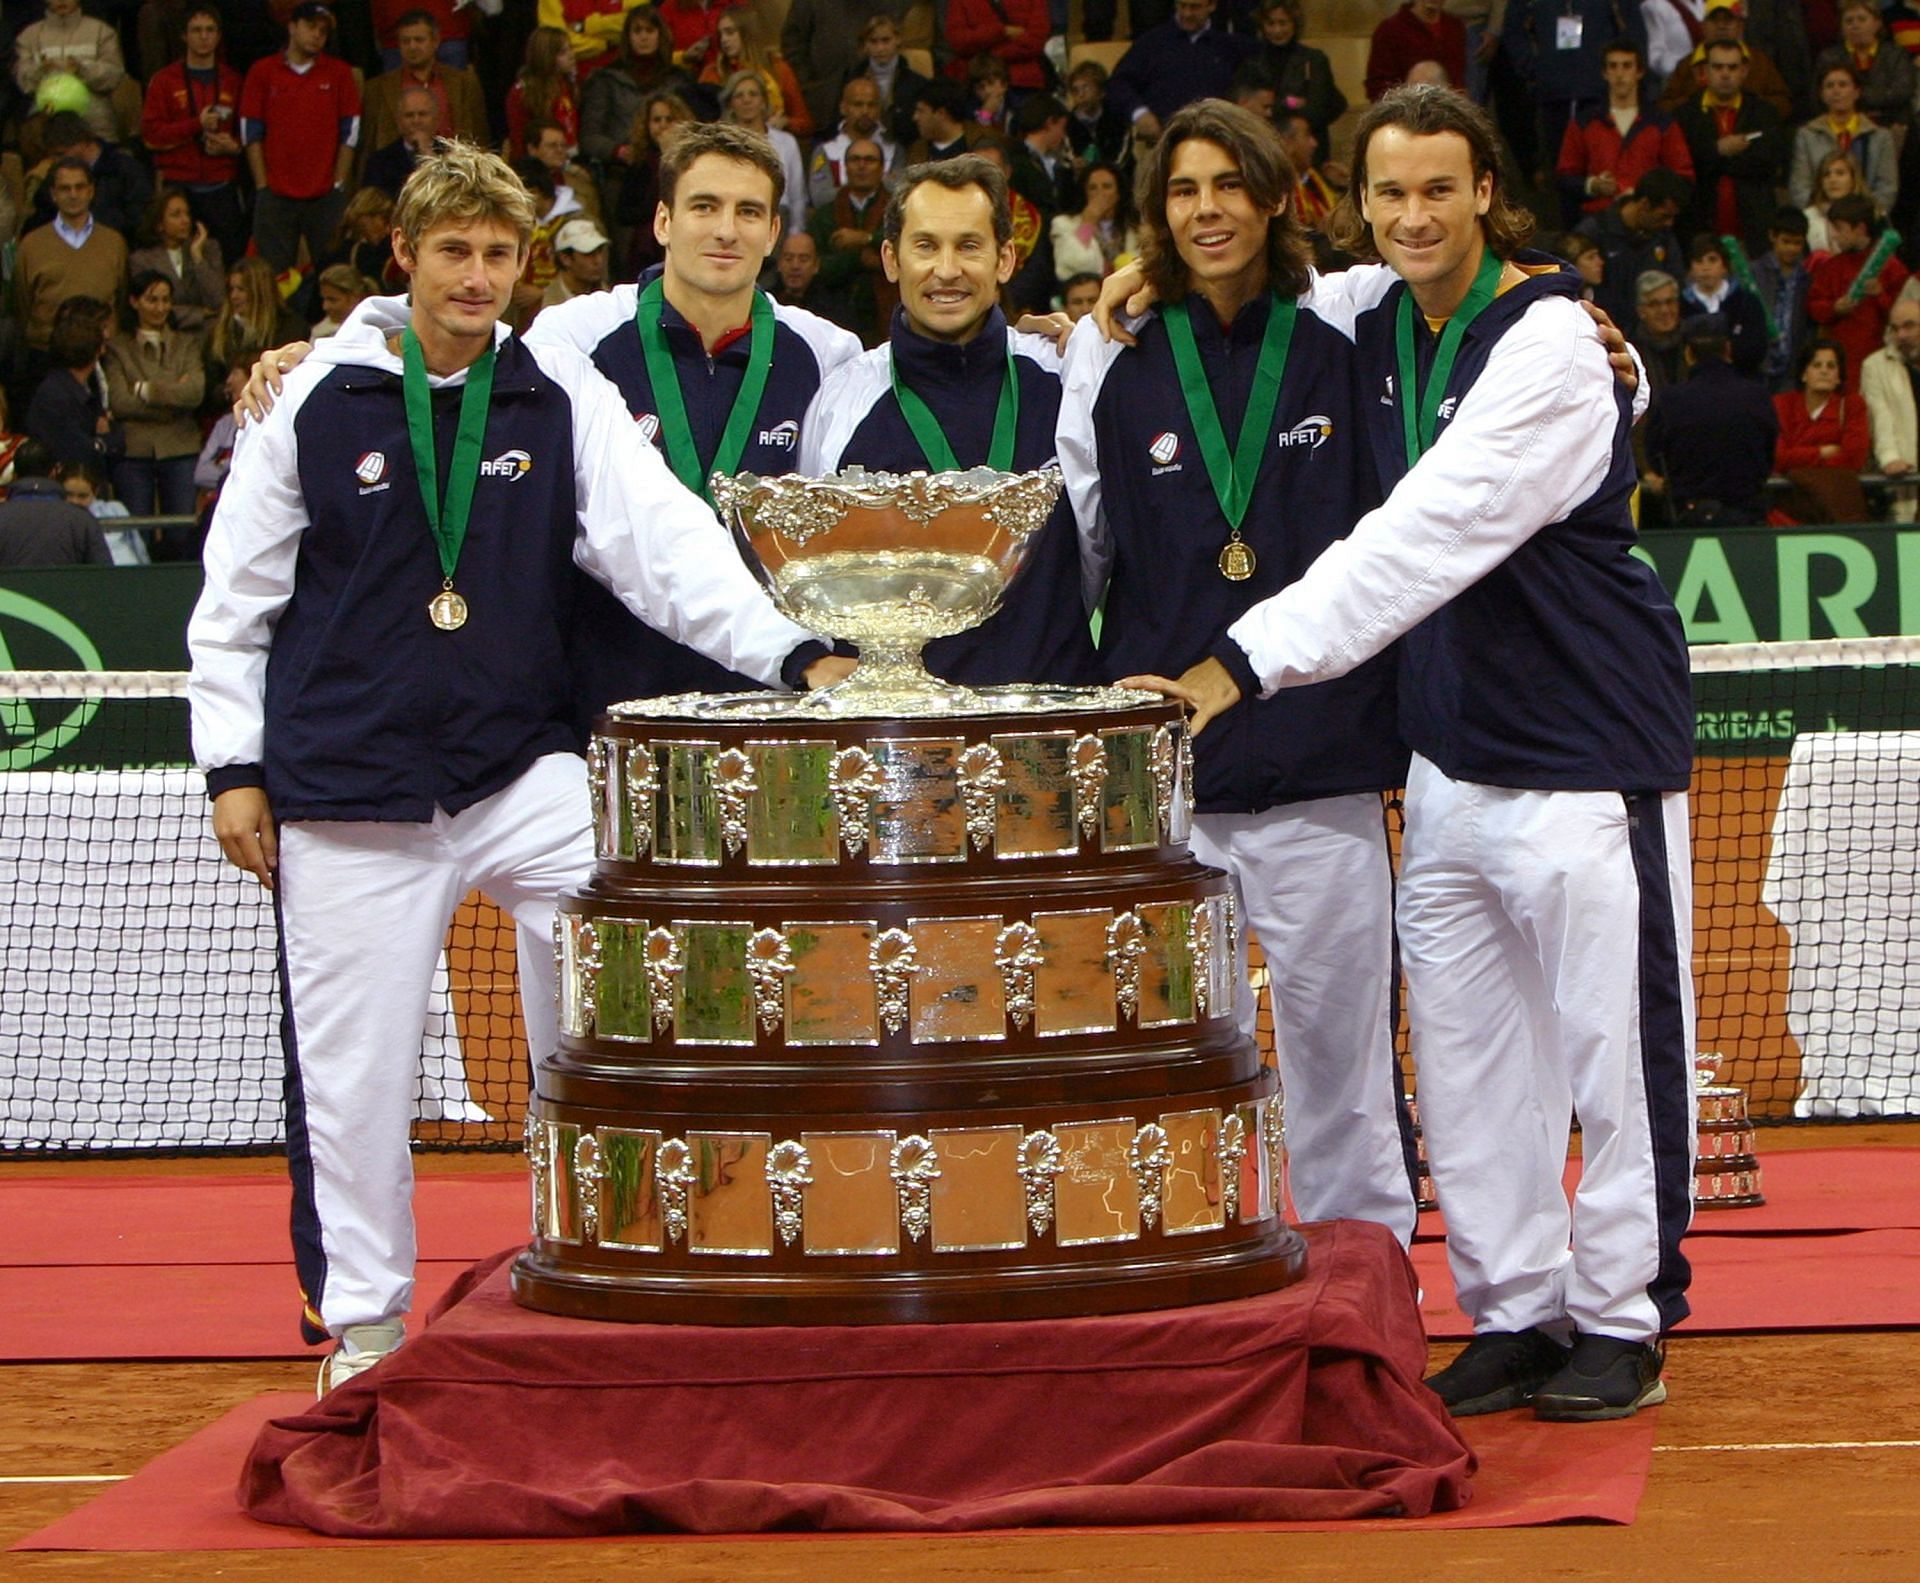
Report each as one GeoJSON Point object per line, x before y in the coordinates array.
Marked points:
{"type": "Point", "coordinates": [1079, 294]}
{"type": "Point", "coordinates": [934, 397]}
{"type": "Point", "coordinates": [1782, 277]}
{"type": "Point", "coordinates": [1636, 234]}
{"type": "Point", "coordinates": [74, 256]}
{"type": "Point", "coordinates": [1097, 130]}
{"type": "Point", "coordinates": [1607, 148]}
{"type": "Point", "coordinates": [459, 104]}
{"type": "Point", "coordinates": [190, 124]}
{"type": "Point", "coordinates": [1739, 146]}
{"type": "Point", "coordinates": [122, 189]}
{"type": "Point", "coordinates": [846, 229]}
{"type": "Point", "coordinates": [37, 525]}
{"type": "Point", "coordinates": [1711, 289]}
{"type": "Point", "coordinates": [940, 117]}
{"type": "Point", "coordinates": [300, 120]}
{"type": "Point", "coordinates": [1174, 63]}
{"type": "Point", "coordinates": [1846, 301]}
{"type": "Point", "coordinates": [1725, 22]}
{"type": "Point", "coordinates": [1710, 440]}
{"type": "Point", "coordinates": [70, 414]}
{"type": "Point", "coordinates": [797, 280]}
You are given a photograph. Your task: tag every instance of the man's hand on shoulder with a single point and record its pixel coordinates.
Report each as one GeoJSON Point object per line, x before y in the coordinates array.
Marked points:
{"type": "Point", "coordinates": [1124, 293]}
{"type": "Point", "coordinates": [263, 384]}
{"type": "Point", "coordinates": [1624, 368]}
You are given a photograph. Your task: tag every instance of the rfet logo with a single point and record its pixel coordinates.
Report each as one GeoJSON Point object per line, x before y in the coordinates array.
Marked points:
{"type": "Point", "coordinates": [371, 468]}
{"type": "Point", "coordinates": [648, 424]}
{"type": "Point", "coordinates": [784, 436]}
{"type": "Point", "coordinates": [1311, 432]}
{"type": "Point", "coordinates": [1165, 447]}
{"type": "Point", "coordinates": [511, 465]}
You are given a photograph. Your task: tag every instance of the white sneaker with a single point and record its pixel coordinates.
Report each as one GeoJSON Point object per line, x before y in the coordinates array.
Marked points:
{"type": "Point", "coordinates": [361, 1346]}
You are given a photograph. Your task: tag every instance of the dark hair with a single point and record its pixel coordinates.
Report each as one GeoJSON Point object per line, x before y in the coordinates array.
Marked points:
{"type": "Point", "coordinates": [31, 458]}
{"type": "Point", "coordinates": [92, 472]}
{"type": "Point", "coordinates": [75, 339]}
{"type": "Point", "coordinates": [1789, 221]}
{"type": "Point", "coordinates": [1625, 46]}
{"type": "Point", "coordinates": [1086, 277]}
{"type": "Point", "coordinates": [1703, 244]}
{"type": "Point", "coordinates": [414, 18]}
{"type": "Point", "coordinates": [66, 129]}
{"type": "Point", "coordinates": [956, 175]}
{"type": "Point", "coordinates": [1254, 146]}
{"type": "Point", "coordinates": [1856, 208]}
{"type": "Point", "coordinates": [1252, 77]}
{"type": "Point", "coordinates": [1293, 8]}
{"type": "Point", "coordinates": [1088, 68]}
{"type": "Point", "coordinates": [1426, 111]}
{"type": "Point", "coordinates": [943, 94]}
{"type": "Point", "coordinates": [983, 66]}
{"type": "Point", "coordinates": [1723, 43]}
{"type": "Point", "coordinates": [729, 142]}
{"type": "Point", "coordinates": [1819, 344]}
{"type": "Point", "coordinates": [1661, 185]}
{"type": "Point", "coordinates": [145, 279]}
{"type": "Point", "coordinates": [202, 10]}
{"type": "Point", "coordinates": [537, 127]}
{"type": "Point", "coordinates": [662, 56]}
{"type": "Point", "coordinates": [536, 178]}
{"type": "Point", "coordinates": [1841, 66]}
{"type": "Point", "coordinates": [1705, 335]}
{"type": "Point", "coordinates": [67, 162]}
{"type": "Point", "coordinates": [1576, 244]}
{"type": "Point", "coordinates": [1036, 110]}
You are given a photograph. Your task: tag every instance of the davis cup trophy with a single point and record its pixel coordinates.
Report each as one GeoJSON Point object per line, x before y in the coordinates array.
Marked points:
{"type": "Point", "coordinates": [899, 1001]}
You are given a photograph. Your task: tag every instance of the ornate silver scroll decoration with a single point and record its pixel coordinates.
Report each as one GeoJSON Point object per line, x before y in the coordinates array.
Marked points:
{"type": "Point", "coordinates": [892, 959]}
{"type": "Point", "coordinates": [982, 775]}
{"type": "Point", "coordinates": [1200, 938]}
{"type": "Point", "coordinates": [856, 780]}
{"type": "Point", "coordinates": [663, 967]}
{"type": "Point", "coordinates": [1188, 793]}
{"type": "Point", "coordinates": [1089, 781]}
{"type": "Point", "coordinates": [1126, 946]}
{"type": "Point", "coordinates": [643, 781]}
{"type": "Point", "coordinates": [731, 775]}
{"type": "Point", "coordinates": [1149, 1156]}
{"type": "Point", "coordinates": [769, 961]}
{"type": "Point", "coordinates": [536, 1131]}
{"type": "Point", "coordinates": [1273, 1133]}
{"type": "Point", "coordinates": [586, 945]}
{"type": "Point", "coordinates": [1016, 952]}
{"type": "Point", "coordinates": [673, 1170]}
{"type": "Point", "coordinates": [604, 834]}
{"type": "Point", "coordinates": [914, 1166]}
{"type": "Point", "coordinates": [1040, 1163]}
{"type": "Point", "coordinates": [586, 1173]}
{"type": "Point", "coordinates": [1161, 756]}
{"type": "Point", "coordinates": [1233, 1149]}
{"type": "Point", "coordinates": [789, 1169]}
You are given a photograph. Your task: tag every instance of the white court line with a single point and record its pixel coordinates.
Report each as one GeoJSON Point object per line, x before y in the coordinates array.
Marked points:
{"type": "Point", "coordinates": [65, 1478]}
{"type": "Point", "coordinates": [1808, 1445]}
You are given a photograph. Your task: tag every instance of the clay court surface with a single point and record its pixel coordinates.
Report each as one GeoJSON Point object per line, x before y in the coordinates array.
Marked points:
{"type": "Point", "coordinates": [1780, 1458]}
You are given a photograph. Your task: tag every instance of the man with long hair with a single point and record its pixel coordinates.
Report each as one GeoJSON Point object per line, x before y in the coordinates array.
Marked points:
{"type": "Point", "coordinates": [1185, 525]}
{"type": "Point", "coordinates": [381, 694]}
{"type": "Point", "coordinates": [1544, 910]}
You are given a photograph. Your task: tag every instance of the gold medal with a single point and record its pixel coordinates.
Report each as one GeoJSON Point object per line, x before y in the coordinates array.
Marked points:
{"type": "Point", "coordinates": [1237, 561]}
{"type": "Point", "coordinates": [448, 611]}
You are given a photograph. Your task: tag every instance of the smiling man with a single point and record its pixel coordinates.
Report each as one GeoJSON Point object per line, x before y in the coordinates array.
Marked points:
{"type": "Point", "coordinates": [955, 387]}
{"type": "Point", "coordinates": [1208, 465]}
{"type": "Point", "coordinates": [1544, 907]}
{"type": "Point", "coordinates": [381, 694]}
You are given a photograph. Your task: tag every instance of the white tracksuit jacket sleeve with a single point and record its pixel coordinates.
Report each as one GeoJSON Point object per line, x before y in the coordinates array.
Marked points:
{"type": "Point", "coordinates": [1089, 357]}
{"type": "Point", "coordinates": [657, 545]}
{"type": "Point", "coordinates": [1531, 440]}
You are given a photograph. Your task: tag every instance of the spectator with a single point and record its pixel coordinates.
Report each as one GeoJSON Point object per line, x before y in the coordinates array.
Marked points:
{"type": "Point", "coordinates": [1560, 48]}
{"type": "Point", "coordinates": [65, 42]}
{"type": "Point", "coordinates": [1845, 132]}
{"type": "Point", "coordinates": [546, 141]}
{"type": "Point", "coordinates": [1096, 129]}
{"type": "Point", "coordinates": [1253, 91]}
{"type": "Point", "coordinates": [9, 442]}
{"type": "Point", "coordinates": [1711, 290]}
{"type": "Point", "coordinates": [743, 99]}
{"type": "Point", "coordinates": [75, 256]}
{"type": "Point", "coordinates": [821, 41]}
{"type": "Point", "coordinates": [1725, 23]}
{"type": "Point", "coordinates": [69, 413]}
{"type": "Point", "coordinates": [1738, 144]}
{"type": "Point", "coordinates": [639, 194]}
{"type": "Point", "coordinates": [1589, 263]}
{"type": "Point", "coordinates": [1079, 294]}
{"type": "Point", "coordinates": [37, 525]}
{"type": "Point", "coordinates": [1636, 234]}
{"type": "Point", "coordinates": [299, 119]}
{"type": "Point", "coordinates": [899, 83]}
{"type": "Point", "coordinates": [389, 165]}
{"type": "Point", "coordinates": [122, 189]}
{"type": "Point", "coordinates": [156, 377]}
{"type": "Point", "coordinates": [452, 21]}
{"type": "Point", "coordinates": [1823, 439]}
{"type": "Point", "coordinates": [988, 86]}
{"type": "Point", "coordinates": [1043, 168]}
{"type": "Point", "coordinates": [737, 47]}
{"type": "Point", "coordinates": [364, 239]}
{"type": "Point", "coordinates": [1838, 177]}
{"type": "Point", "coordinates": [341, 290]}
{"type": "Point", "coordinates": [1103, 233]}
{"type": "Point", "coordinates": [1782, 276]}
{"type": "Point", "coordinates": [1889, 380]}
{"type": "Point", "coordinates": [216, 456]}
{"type": "Point", "coordinates": [190, 125]}
{"type": "Point", "coordinates": [580, 258]}
{"type": "Point", "coordinates": [797, 277]}
{"type": "Point", "coordinates": [1177, 62]}
{"type": "Point", "coordinates": [1014, 32]}
{"type": "Point", "coordinates": [553, 206]}
{"type": "Point", "coordinates": [1710, 440]}
{"type": "Point", "coordinates": [596, 30]}
{"type": "Point", "coordinates": [690, 25]}
{"type": "Point", "coordinates": [847, 231]}
{"type": "Point", "coordinates": [85, 485]}
{"type": "Point", "coordinates": [1606, 150]}
{"type": "Point", "coordinates": [1030, 290]}
{"type": "Point", "coordinates": [859, 121]}
{"type": "Point", "coordinates": [1883, 71]}
{"type": "Point", "coordinates": [459, 105]}
{"type": "Point", "coordinates": [545, 89]}
{"type": "Point", "coordinates": [613, 97]}
{"type": "Point", "coordinates": [1656, 329]}
{"type": "Point", "coordinates": [1850, 305]}
{"type": "Point", "coordinates": [1314, 191]}
{"type": "Point", "coordinates": [255, 318]}
{"type": "Point", "coordinates": [1419, 30]}
{"type": "Point", "coordinates": [940, 117]}
{"type": "Point", "coordinates": [1302, 76]}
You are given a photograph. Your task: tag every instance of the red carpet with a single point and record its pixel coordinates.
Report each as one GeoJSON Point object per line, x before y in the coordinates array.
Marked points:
{"type": "Point", "coordinates": [1529, 1473]}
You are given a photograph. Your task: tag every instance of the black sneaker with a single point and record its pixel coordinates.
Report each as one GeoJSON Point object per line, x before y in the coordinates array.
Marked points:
{"type": "Point", "coordinates": [1498, 1371]}
{"type": "Point", "coordinates": [1606, 1377]}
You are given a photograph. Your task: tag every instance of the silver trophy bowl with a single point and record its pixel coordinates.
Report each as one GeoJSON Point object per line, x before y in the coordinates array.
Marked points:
{"type": "Point", "coordinates": [888, 563]}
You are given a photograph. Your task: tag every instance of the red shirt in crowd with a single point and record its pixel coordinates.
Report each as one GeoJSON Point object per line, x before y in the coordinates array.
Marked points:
{"type": "Point", "coordinates": [1842, 422]}
{"type": "Point", "coordinates": [1402, 41]}
{"type": "Point", "coordinates": [1593, 146]}
{"type": "Point", "coordinates": [170, 124]}
{"type": "Point", "coordinates": [979, 27]}
{"type": "Point", "coordinates": [301, 118]}
{"type": "Point", "coordinates": [1863, 331]}
{"type": "Point", "coordinates": [454, 23]}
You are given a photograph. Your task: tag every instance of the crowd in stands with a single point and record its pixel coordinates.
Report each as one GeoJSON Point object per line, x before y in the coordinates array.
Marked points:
{"type": "Point", "coordinates": [184, 184]}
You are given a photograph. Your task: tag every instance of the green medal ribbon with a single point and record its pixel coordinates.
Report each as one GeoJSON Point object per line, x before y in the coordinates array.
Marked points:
{"type": "Point", "coordinates": [1420, 423]}
{"type": "Point", "coordinates": [675, 432]}
{"type": "Point", "coordinates": [446, 517]}
{"type": "Point", "coordinates": [1232, 476]}
{"type": "Point", "coordinates": [933, 440]}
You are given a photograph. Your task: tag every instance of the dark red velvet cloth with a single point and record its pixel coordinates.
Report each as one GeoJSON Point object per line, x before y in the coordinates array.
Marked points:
{"type": "Point", "coordinates": [498, 1422]}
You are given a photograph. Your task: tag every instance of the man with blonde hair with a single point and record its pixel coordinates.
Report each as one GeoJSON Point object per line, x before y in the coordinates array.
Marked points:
{"type": "Point", "coordinates": [381, 693]}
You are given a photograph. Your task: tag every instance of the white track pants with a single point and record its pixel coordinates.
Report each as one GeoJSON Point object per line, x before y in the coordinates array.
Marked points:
{"type": "Point", "coordinates": [364, 911]}
{"type": "Point", "coordinates": [1546, 939]}
{"type": "Point", "coordinates": [1316, 888]}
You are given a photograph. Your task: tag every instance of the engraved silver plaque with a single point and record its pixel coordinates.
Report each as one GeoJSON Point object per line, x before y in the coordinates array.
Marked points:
{"type": "Point", "coordinates": [1192, 1199]}
{"type": "Point", "coordinates": [1129, 808]}
{"type": "Point", "coordinates": [629, 1195]}
{"type": "Point", "coordinates": [730, 1209]}
{"type": "Point", "coordinates": [1095, 1196]}
{"type": "Point", "coordinates": [957, 993]}
{"type": "Point", "coordinates": [713, 997]}
{"type": "Point", "coordinates": [690, 821]}
{"type": "Point", "coordinates": [1166, 970]}
{"type": "Point", "coordinates": [979, 1202]}
{"type": "Point", "coordinates": [1034, 808]}
{"type": "Point", "coordinates": [830, 994]}
{"type": "Point", "coordinates": [1073, 988]}
{"type": "Point", "coordinates": [563, 1201]}
{"type": "Point", "coordinates": [917, 814]}
{"type": "Point", "coordinates": [790, 816]}
{"type": "Point", "coordinates": [623, 1004]}
{"type": "Point", "coordinates": [851, 1205]}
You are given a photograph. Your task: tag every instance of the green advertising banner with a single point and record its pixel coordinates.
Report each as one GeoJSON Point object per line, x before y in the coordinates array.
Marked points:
{"type": "Point", "coordinates": [1752, 585]}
